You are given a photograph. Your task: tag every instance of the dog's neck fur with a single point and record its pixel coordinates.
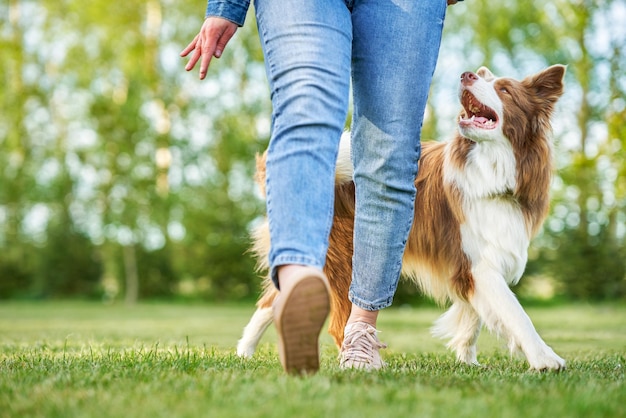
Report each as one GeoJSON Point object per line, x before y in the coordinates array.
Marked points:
{"type": "Point", "coordinates": [480, 170]}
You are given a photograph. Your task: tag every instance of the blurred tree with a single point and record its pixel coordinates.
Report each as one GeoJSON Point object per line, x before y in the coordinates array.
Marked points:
{"type": "Point", "coordinates": [14, 269]}
{"type": "Point", "coordinates": [109, 143]}
{"type": "Point", "coordinates": [37, 189]}
{"type": "Point", "coordinates": [587, 254]}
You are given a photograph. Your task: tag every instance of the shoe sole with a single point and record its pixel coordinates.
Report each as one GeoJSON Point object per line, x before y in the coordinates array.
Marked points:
{"type": "Point", "coordinates": [299, 317]}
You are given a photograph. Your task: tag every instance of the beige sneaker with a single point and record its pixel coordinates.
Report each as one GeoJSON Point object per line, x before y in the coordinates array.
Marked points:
{"type": "Point", "coordinates": [299, 315]}
{"type": "Point", "coordinates": [360, 348]}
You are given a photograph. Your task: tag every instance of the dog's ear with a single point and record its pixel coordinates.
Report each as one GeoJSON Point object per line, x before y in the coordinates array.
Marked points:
{"type": "Point", "coordinates": [548, 84]}
{"type": "Point", "coordinates": [484, 73]}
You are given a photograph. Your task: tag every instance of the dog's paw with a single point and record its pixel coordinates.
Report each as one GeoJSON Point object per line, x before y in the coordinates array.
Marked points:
{"type": "Point", "coordinates": [469, 362]}
{"type": "Point", "coordinates": [467, 355]}
{"type": "Point", "coordinates": [245, 350]}
{"type": "Point", "coordinates": [546, 360]}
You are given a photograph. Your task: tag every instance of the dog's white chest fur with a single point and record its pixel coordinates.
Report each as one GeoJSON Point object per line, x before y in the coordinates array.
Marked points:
{"type": "Point", "coordinates": [494, 230]}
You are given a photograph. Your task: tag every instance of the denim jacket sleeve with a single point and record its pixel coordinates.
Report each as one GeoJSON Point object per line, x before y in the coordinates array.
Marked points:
{"type": "Point", "coordinates": [233, 10]}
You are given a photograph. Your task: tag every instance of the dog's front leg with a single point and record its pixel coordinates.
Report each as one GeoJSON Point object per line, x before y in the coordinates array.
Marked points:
{"type": "Point", "coordinates": [501, 312]}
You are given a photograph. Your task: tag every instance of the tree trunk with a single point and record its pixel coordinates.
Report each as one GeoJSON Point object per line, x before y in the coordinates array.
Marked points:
{"type": "Point", "coordinates": [132, 276]}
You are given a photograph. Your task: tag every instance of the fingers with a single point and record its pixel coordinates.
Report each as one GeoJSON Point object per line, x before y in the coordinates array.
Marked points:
{"type": "Point", "coordinates": [223, 40]}
{"type": "Point", "coordinates": [194, 57]}
{"type": "Point", "coordinates": [189, 47]}
{"type": "Point", "coordinates": [197, 53]}
{"type": "Point", "coordinates": [204, 64]}
{"type": "Point", "coordinates": [210, 42]}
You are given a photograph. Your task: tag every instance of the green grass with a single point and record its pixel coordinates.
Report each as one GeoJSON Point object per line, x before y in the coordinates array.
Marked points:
{"type": "Point", "coordinates": [62, 359]}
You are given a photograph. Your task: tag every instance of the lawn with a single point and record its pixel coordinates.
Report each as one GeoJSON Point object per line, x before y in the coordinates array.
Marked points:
{"type": "Point", "coordinates": [75, 359]}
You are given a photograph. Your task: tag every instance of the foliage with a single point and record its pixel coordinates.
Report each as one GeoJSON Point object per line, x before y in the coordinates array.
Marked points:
{"type": "Point", "coordinates": [119, 168]}
{"type": "Point", "coordinates": [122, 176]}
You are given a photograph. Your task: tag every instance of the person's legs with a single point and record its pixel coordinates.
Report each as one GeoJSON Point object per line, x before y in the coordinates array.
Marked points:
{"type": "Point", "coordinates": [395, 49]}
{"type": "Point", "coordinates": [307, 48]}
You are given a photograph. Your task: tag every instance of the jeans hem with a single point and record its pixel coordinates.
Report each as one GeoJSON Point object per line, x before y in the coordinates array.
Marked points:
{"type": "Point", "coordinates": [369, 306]}
{"type": "Point", "coordinates": [291, 259]}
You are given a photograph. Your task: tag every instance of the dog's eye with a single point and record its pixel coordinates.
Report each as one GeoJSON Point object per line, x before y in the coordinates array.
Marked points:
{"type": "Point", "coordinates": [504, 90]}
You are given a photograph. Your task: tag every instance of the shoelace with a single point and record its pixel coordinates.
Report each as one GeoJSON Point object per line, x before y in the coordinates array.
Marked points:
{"type": "Point", "coordinates": [359, 345]}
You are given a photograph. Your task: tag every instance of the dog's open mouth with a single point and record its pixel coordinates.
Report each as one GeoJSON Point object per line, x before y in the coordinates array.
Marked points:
{"type": "Point", "coordinates": [476, 114]}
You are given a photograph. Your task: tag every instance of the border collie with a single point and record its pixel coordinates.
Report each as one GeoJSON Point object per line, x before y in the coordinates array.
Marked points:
{"type": "Point", "coordinates": [482, 197]}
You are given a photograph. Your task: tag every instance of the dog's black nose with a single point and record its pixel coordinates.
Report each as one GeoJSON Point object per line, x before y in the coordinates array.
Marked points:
{"type": "Point", "coordinates": [468, 78]}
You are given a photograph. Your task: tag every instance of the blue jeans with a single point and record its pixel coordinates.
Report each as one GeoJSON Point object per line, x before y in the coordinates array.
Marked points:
{"type": "Point", "coordinates": [313, 50]}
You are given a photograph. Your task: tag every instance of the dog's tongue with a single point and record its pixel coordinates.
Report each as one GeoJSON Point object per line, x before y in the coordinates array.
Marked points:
{"type": "Point", "coordinates": [480, 119]}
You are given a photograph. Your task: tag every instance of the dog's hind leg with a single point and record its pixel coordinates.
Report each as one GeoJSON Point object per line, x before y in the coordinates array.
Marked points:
{"type": "Point", "coordinates": [258, 323]}
{"type": "Point", "coordinates": [501, 312]}
{"type": "Point", "coordinates": [461, 324]}
{"type": "Point", "coordinates": [253, 332]}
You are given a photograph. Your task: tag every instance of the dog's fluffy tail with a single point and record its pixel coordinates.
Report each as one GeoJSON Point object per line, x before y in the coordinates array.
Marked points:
{"type": "Point", "coordinates": [259, 175]}
{"type": "Point", "coordinates": [343, 169]}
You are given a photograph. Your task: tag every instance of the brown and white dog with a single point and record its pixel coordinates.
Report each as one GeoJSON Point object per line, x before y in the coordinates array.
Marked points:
{"type": "Point", "coordinates": [481, 198]}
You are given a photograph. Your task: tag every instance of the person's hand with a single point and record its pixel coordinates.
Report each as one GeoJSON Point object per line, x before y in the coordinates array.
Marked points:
{"type": "Point", "coordinates": [210, 42]}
